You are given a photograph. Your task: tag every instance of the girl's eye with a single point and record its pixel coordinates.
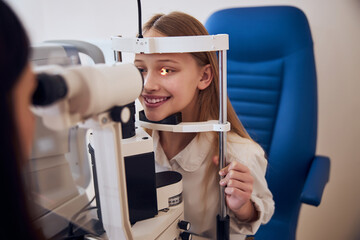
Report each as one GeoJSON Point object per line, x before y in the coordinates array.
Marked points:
{"type": "Point", "coordinates": [164, 71]}
{"type": "Point", "coordinates": [142, 70]}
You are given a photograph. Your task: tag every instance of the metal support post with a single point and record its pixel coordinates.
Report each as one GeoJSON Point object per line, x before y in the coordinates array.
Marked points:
{"type": "Point", "coordinates": [223, 220]}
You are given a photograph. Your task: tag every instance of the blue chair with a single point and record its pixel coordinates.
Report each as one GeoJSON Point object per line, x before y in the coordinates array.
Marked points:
{"type": "Point", "coordinates": [272, 86]}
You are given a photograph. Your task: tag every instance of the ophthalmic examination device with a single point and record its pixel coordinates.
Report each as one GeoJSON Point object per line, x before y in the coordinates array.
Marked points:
{"type": "Point", "coordinates": [100, 98]}
{"type": "Point", "coordinates": [133, 202]}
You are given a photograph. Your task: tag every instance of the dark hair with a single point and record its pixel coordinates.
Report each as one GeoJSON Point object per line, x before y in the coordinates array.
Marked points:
{"type": "Point", "coordinates": [15, 218]}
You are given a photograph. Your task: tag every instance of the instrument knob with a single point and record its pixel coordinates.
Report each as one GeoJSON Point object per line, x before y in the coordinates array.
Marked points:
{"type": "Point", "coordinates": [185, 236]}
{"type": "Point", "coordinates": [184, 225]}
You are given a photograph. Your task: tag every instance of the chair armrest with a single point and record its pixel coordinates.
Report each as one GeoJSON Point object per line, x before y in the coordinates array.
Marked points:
{"type": "Point", "coordinates": [316, 180]}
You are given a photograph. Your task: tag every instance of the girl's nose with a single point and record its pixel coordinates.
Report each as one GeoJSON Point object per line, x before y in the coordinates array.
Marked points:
{"type": "Point", "coordinates": [151, 82]}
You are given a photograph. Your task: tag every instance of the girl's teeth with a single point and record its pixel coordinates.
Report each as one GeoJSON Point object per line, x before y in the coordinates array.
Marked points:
{"type": "Point", "coordinates": [155, 100]}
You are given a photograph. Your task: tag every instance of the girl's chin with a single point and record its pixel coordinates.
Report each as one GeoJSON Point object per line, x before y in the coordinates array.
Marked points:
{"type": "Point", "coordinates": [155, 117]}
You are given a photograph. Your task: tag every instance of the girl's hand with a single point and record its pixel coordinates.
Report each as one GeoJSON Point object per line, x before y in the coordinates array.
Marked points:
{"type": "Point", "coordinates": [238, 183]}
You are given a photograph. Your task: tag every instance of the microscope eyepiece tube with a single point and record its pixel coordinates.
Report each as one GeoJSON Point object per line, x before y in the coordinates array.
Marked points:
{"type": "Point", "coordinates": [84, 91]}
{"type": "Point", "coordinates": [94, 89]}
{"type": "Point", "coordinates": [50, 88]}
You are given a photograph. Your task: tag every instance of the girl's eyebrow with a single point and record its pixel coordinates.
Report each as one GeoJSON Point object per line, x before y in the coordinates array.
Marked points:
{"type": "Point", "coordinates": [158, 61]}
{"type": "Point", "coordinates": [167, 60]}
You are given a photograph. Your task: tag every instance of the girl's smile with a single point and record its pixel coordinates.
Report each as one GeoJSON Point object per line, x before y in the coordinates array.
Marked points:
{"type": "Point", "coordinates": [154, 101]}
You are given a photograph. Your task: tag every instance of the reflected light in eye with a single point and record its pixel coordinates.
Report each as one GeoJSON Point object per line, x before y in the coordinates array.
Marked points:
{"type": "Point", "coordinates": [163, 71]}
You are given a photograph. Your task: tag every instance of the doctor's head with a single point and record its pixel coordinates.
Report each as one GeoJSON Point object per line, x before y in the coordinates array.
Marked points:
{"type": "Point", "coordinates": [17, 83]}
{"type": "Point", "coordinates": [16, 126]}
{"type": "Point", "coordinates": [178, 82]}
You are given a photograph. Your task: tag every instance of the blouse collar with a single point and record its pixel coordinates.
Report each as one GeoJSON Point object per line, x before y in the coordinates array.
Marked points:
{"type": "Point", "coordinates": [191, 157]}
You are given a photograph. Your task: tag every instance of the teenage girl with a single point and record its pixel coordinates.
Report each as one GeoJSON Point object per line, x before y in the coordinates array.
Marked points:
{"type": "Point", "coordinates": [188, 83]}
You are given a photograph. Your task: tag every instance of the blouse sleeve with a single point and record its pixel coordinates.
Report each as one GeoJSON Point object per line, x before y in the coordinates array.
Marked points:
{"type": "Point", "coordinates": [252, 155]}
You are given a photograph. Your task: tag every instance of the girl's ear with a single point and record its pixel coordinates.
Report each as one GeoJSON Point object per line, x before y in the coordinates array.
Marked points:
{"type": "Point", "coordinates": [206, 78]}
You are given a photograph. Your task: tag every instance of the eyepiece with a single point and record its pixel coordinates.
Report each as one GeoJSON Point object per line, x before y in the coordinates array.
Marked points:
{"type": "Point", "coordinates": [50, 89]}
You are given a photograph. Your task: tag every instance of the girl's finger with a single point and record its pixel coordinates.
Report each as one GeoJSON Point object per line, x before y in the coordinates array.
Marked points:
{"type": "Point", "coordinates": [238, 167]}
{"type": "Point", "coordinates": [215, 160]}
{"type": "Point", "coordinates": [237, 176]}
{"type": "Point", "coordinates": [234, 165]}
{"type": "Point", "coordinates": [236, 193]}
{"type": "Point", "coordinates": [245, 187]}
{"type": "Point", "coordinates": [224, 171]}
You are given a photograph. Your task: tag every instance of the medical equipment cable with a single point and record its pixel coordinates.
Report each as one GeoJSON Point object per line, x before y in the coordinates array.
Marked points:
{"type": "Point", "coordinates": [73, 218]}
{"type": "Point", "coordinates": [139, 16]}
{"type": "Point", "coordinates": [71, 225]}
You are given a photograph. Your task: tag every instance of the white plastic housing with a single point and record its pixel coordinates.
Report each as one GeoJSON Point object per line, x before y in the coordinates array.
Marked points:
{"type": "Point", "coordinates": [208, 126]}
{"type": "Point", "coordinates": [203, 43]}
{"type": "Point", "coordinates": [94, 89]}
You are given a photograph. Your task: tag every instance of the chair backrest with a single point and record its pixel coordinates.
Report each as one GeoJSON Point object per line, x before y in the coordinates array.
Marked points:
{"type": "Point", "coordinates": [272, 86]}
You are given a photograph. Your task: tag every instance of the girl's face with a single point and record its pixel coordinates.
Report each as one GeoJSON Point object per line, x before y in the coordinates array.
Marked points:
{"type": "Point", "coordinates": [22, 96]}
{"type": "Point", "coordinates": [171, 83]}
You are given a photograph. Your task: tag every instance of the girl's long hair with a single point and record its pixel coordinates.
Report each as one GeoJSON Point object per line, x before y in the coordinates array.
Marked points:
{"type": "Point", "coordinates": [182, 24]}
{"type": "Point", "coordinates": [16, 222]}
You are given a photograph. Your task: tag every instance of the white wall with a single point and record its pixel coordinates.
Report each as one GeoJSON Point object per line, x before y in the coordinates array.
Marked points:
{"type": "Point", "coordinates": [336, 33]}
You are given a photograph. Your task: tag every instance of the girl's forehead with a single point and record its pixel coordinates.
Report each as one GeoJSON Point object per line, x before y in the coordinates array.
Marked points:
{"type": "Point", "coordinates": [161, 57]}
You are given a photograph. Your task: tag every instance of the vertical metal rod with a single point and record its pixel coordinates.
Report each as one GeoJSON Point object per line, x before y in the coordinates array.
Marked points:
{"type": "Point", "coordinates": [222, 120]}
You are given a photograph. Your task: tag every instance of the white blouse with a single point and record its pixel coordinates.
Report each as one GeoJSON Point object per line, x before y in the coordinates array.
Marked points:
{"type": "Point", "coordinates": [200, 206]}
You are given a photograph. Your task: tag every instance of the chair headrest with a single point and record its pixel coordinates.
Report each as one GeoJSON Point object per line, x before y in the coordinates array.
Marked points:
{"type": "Point", "coordinates": [261, 33]}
